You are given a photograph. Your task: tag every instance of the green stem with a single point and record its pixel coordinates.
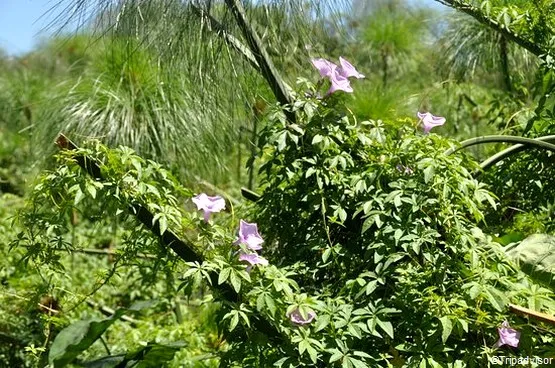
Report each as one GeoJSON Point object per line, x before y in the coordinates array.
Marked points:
{"type": "Point", "coordinates": [510, 151]}
{"type": "Point", "coordinates": [503, 139]}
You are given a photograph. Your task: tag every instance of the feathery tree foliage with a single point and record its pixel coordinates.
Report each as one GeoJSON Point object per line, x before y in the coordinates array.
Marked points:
{"type": "Point", "coordinates": [190, 84]}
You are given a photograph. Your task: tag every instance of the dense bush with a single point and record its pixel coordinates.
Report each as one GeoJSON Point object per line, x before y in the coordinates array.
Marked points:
{"type": "Point", "coordinates": [371, 232]}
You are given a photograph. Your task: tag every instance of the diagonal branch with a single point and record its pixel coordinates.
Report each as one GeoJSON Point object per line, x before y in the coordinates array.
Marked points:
{"type": "Point", "coordinates": [479, 15]}
{"type": "Point", "coordinates": [266, 66]}
{"type": "Point", "coordinates": [183, 249]}
{"type": "Point", "coordinates": [218, 28]}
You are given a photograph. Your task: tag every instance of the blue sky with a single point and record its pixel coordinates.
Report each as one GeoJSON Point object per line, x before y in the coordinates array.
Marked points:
{"type": "Point", "coordinates": [21, 22]}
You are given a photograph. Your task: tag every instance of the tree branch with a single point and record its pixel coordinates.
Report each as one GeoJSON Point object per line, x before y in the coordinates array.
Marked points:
{"type": "Point", "coordinates": [477, 14]}
{"type": "Point", "coordinates": [267, 68]}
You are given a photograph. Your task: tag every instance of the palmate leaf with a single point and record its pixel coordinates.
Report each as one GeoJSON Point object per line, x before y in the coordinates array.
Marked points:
{"type": "Point", "coordinates": [535, 256]}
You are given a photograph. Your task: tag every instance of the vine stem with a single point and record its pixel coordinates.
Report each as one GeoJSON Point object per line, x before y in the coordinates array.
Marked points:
{"type": "Point", "coordinates": [539, 142]}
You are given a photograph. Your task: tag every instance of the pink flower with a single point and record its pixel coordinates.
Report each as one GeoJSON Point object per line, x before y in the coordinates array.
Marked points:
{"type": "Point", "coordinates": [325, 67]}
{"type": "Point", "coordinates": [338, 75]}
{"type": "Point", "coordinates": [209, 204]}
{"type": "Point", "coordinates": [429, 121]}
{"type": "Point", "coordinates": [297, 318]}
{"type": "Point", "coordinates": [348, 70]}
{"type": "Point", "coordinates": [253, 259]}
{"type": "Point", "coordinates": [248, 235]}
{"type": "Point", "coordinates": [339, 83]}
{"type": "Point", "coordinates": [507, 336]}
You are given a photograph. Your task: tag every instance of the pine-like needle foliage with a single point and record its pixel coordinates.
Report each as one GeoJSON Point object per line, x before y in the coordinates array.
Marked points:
{"type": "Point", "coordinates": [173, 79]}
{"type": "Point", "coordinates": [471, 50]}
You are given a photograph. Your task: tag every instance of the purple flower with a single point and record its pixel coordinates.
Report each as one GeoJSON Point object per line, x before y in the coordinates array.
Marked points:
{"type": "Point", "coordinates": [348, 70]}
{"type": "Point", "coordinates": [253, 259]}
{"type": "Point", "coordinates": [209, 204]}
{"type": "Point", "coordinates": [297, 318]}
{"type": "Point", "coordinates": [248, 235]}
{"type": "Point", "coordinates": [507, 336]}
{"type": "Point", "coordinates": [338, 75]}
{"type": "Point", "coordinates": [339, 83]}
{"type": "Point", "coordinates": [429, 121]}
{"type": "Point", "coordinates": [325, 67]}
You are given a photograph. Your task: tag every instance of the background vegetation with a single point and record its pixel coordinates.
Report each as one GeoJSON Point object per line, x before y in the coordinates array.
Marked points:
{"type": "Point", "coordinates": [180, 84]}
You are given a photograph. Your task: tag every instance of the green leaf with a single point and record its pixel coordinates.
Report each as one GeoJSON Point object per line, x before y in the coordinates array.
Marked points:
{"type": "Point", "coordinates": [336, 355]}
{"type": "Point", "coordinates": [309, 172]}
{"type": "Point", "coordinates": [235, 281]}
{"type": "Point", "coordinates": [447, 328]}
{"type": "Point", "coordinates": [91, 189]}
{"type": "Point", "coordinates": [234, 321]}
{"type": "Point", "coordinates": [224, 275]}
{"type": "Point", "coordinates": [386, 326]}
{"type": "Point", "coordinates": [535, 256]}
{"type": "Point", "coordinates": [463, 323]}
{"type": "Point", "coordinates": [428, 173]}
{"type": "Point", "coordinates": [317, 139]}
{"type": "Point", "coordinates": [357, 363]}
{"type": "Point", "coordinates": [496, 298]}
{"type": "Point", "coordinates": [152, 355]}
{"type": "Point", "coordinates": [78, 337]}
{"type": "Point", "coordinates": [78, 196]}
{"type": "Point", "coordinates": [270, 304]}
{"type": "Point", "coordinates": [312, 353]}
{"type": "Point", "coordinates": [282, 141]}
{"type": "Point", "coordinates": [322, 322]}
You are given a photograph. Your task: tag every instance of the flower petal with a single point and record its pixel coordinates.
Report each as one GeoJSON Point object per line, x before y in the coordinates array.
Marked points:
{"type": "Point", "coordinates": [430, 121]}
{"type": "Point", "coordinates": [507, 336]}
{"type": "Point", "coordinates": [253, 259]}
{"type": "Point", "coordinates": [297, 318]}
{"type": "Point", "coordinates": [348, 70]}
{"type": "Point", "coordinates": [248, 235]}
{"type": "Point", "coordinates": [339, 83]}
{"type": "Point", "coordinates": [325, 67]}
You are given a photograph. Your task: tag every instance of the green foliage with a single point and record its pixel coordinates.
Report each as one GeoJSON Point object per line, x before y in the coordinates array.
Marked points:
{"type": "Point", "coordinates": [152, 355]}
{"type": "Point", "coordinates": [373, 216]}
{"type": "Point", "coordinates": [77, 337]}
{"type": "Point", "coordinates": [63, 220]}
{"type": "Point", "coordinates": [535, 256]}
{"type": "Point", "coordinates": [369, 226]}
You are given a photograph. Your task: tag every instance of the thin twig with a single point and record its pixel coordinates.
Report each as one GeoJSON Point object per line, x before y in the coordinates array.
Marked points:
{"type": "Point", "coordinates": [107, 252]}
{"type": "Point", "coordinates": [109, 312]}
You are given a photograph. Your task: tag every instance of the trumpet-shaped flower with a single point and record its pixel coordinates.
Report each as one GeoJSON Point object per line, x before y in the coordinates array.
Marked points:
{"type": "Point", "coordinates": [253, 259]}
{"type": "Point", "coordinates": [209, 204]}
{"type": "Point", "coordinates": [297, 318]}
{"type": "Point", "coordinates": [338, 75]}
{"type": "Point", "coordinates": [347, 69]}
{"type": "Point", "coordinates": [430, 121]}
{"type": "Point", "coordinates": [507, 336]}
{"type": "Point", "coordinates": [248, 235]}
{"type": "Point", "coordinates": [339, 83]}
{"type": "Point", "coordinates": [325, 68]}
